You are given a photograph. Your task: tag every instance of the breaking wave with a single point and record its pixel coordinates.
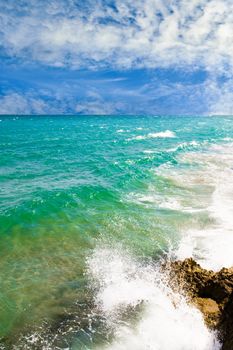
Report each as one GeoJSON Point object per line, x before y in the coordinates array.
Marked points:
{"type": "Point", "coordinates": [166, 321]}
{"type": "Point", "coordinates": [162, 134]}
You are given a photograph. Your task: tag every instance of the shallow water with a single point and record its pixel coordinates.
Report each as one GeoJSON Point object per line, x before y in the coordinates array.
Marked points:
{"type": "Point", "coordinates": [89, 206]}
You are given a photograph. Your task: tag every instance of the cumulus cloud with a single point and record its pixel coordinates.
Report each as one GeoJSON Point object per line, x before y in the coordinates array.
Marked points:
{"type": "Point", "coordinates": [155, 97]}
{"type": "Point", "coordinates": [28, 103]}
{"type": "Point", "coordinates": [133, 33]}
{"type": "Point", "coordinates": [14, 103]}
{"type": "Point", "coordinates": [220, 97]}
{"type": "Point", "coordinates": [186, 35]}
{"type": "Point", "coordinates": [36, 103]}
{"type": "Point", "coordinates": [96, 108]}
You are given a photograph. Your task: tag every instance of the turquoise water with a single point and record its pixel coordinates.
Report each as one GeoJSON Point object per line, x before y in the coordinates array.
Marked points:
{"type": "Point", "coordinates": [78, 191]}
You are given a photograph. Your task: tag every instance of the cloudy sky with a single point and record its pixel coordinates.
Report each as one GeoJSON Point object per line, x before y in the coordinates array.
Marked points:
{"type": "Point", "coordinates": [116, 56]}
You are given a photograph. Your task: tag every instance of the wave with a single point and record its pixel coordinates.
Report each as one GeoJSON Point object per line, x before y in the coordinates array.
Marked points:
{"type": "Point", "coordinates": [185, 146]}
{"type": "Point", "coordinates": [212, 246]}
{"type": "Point", "coordinates": [167, 321]}
{"type": "Point", "coordinates": [163, 202]}
{"type": "Point", "coordinates": [119, 131]}
{"type": "Point", "coordinates": [162, 134]}
{"type": "Point", "coordinates": [126, 285]}
{"type": "Point", "coordinates": [201, 186]}
{"type": "Point", "coordinates": [149, 151]}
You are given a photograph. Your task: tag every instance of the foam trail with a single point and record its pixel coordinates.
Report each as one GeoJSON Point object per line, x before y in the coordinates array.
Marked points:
{"type": "Point", "coordinates": [212, 246]}
{"type": "Point", "coordinates": [153, 198]}
{"type": "Point", "coordinates": [166, 322]}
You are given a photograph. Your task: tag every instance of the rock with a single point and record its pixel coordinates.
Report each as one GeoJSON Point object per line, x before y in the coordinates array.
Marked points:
{"type": "Point", "coordinates": [227, 325]}
{"type": "Point", "coordinates": [211, 292]}
{"type": "Point", "coordinates": [189, 276]}
{"type": "Point", "coordinates": [210, 310]}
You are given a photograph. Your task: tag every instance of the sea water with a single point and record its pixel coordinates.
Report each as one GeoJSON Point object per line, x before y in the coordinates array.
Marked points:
{"type": "Point", "coordinates": [90, 206]}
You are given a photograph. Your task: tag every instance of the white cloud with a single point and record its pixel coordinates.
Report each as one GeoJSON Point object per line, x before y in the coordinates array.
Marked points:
{"type": "Point", "coordinates": [135, 33]}
{"type": "Point", "coordinates": [96, 108]}
{"type": "Point", "coordinates": [40, 102]}
{"type": "Point", "coordinates": [155, 97]}
{"type": "Point", "coordinates": [220, 97]}
{"type": "Point", "coordinates": [184, 34]}
{"type": "Point", "coordinates": [16, 103]}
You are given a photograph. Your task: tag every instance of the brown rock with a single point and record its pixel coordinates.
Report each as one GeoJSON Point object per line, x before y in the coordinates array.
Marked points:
{"type": "Point", "coordinates": [210, 310]}
{"type": "Point", "coordinates": [227, 325]}
{"type": "Point", "coordinates": [211, 292]}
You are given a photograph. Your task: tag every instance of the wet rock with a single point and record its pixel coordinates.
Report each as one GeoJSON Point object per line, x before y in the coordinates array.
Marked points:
{"type": "Point", "coordinates": [210, 310]}
{"type": "Point", "coordinates": [227, 325]}
{"type": "Point", "coordinates": [211, 292]}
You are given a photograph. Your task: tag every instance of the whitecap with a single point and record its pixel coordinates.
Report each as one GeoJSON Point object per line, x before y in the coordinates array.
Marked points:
{"type": "Point", "coordinates": [148, 151]}
{"type": "Point", "coordinates": [184, 145]}
{"type": "Point", "coordinates": [162, 134]}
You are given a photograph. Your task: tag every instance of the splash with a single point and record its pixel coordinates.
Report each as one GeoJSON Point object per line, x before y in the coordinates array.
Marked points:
{"type": "Point", "coordinates": [166, 321]}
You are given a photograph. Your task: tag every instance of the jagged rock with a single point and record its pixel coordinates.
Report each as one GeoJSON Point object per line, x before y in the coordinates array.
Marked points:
{"type": "Point", "coordinates": [226, 325]}
{"type": "Point", "coordinates": [210, 310]}
{"type": "Point", "coordinates": [211, 292]}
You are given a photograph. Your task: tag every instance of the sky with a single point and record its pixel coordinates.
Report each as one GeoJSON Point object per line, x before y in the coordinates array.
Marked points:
{"type": "Point", "coordinates": [116, 57]}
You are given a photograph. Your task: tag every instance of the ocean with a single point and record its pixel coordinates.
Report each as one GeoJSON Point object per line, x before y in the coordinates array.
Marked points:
{"type": "Point", "coordinates": [90, 206]}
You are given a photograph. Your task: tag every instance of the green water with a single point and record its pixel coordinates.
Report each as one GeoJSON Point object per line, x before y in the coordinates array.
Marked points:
{"type": "Point", "coordinates": [68, 183]}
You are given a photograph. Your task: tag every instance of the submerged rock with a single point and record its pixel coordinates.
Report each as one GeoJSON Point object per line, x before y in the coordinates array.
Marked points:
{"type": "Point", "coordinates": [211, 292]}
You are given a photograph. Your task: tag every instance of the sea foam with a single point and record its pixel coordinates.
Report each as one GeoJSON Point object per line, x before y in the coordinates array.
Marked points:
{"type": "Point", "coordinates": [162, 134]}
{"type": "Point", "coordinates": [212, 246]}
{"type": "Point", "coordinates": [167, 321]}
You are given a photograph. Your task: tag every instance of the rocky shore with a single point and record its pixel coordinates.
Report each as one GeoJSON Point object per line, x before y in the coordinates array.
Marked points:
{"type": "Point", "coordinates": [211, 292]}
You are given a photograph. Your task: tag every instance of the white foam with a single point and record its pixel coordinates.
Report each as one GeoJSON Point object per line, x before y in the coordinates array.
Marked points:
{"type": "Point", "coordinates": [149, 151]}
{"type": "Point", "coordinates": [184, 145]}
{"type": "Point", "coordinates": [159, 201]}
{"type": "Point", "coordinates": [162, 134]}
{"type": "Point", "coordinates": [122, 130]}
{"type": "Point", "coordinates": [139, 137]}
{"type": "Point", "coordinates": [212, 246]}
{"type": "Point", "coordinates": [120, 281]}
{"type": "Point", "coordinates": [227, 139]}
{"type": "Point", "coordinates": [166, 322]}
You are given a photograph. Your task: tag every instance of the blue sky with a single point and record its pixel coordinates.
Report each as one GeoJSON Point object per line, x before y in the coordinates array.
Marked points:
{"type": "Point", "coordinates": [116, 57]}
